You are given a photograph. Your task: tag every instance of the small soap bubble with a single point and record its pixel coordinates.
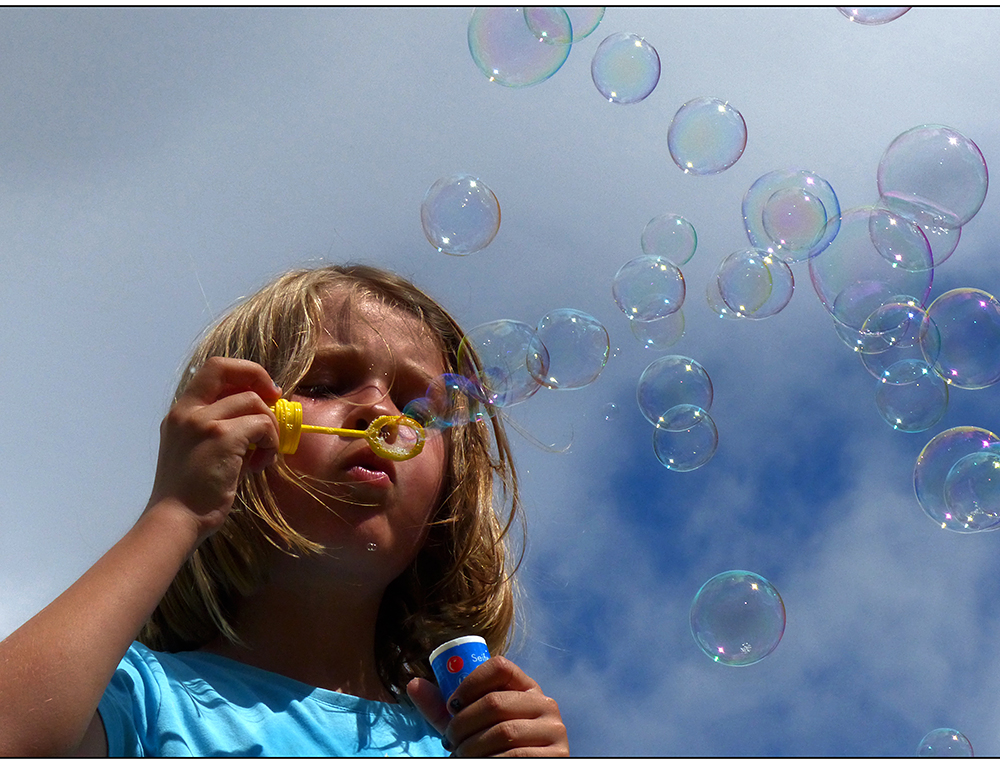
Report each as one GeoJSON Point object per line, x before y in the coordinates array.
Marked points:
{"type": "Point", "coordinates": [792, 214]}
{"type": "Point", "coordinates": [625, 68]}
{"type": "Point", "coordinates": [946, 742]}
{"type": "Point", "coordinates": [969, 324]}
{"type": "Point", "coordinates": [900, 241]}
{"type": "Point", "coordinates": [504, 359]}
{"type": "Point", "coordinates": [671, 381]}
{"type": "Point", "coordinates": [509, 53]}
{"type": "Point", "coordinates": [972, 489]}
{"type": "Point", "coordinates": [911, 397]}
{"type": "Point", "coordinates": [934, 176]}
{"type": "Point", "coordinates": [852, 279]}
{"type": "Point", "coordinates": [754, 284]}
{"type": "Point", "coordinates": [897, 331]}
{"type": "Point", "coordinates": [706, 136]}
{"type": "Point", "coordinates": [460, 214]}
{"type": "Point", "coordinates": [685, 438]}
{"type": "Point", "coordinates": [584, 20]}
{"type": "Point", "coordinates": [935, 462]}
{"type": "Point", "coordinates": [372, 546]}
{"type": "Point", "coordinates": [737, 618]}
{"type": "Point", "coordinates": [549, 24]}
{"type": "Point", "coordinates": [609, 412]}
{"type": "Point", "coordinates": [661, 333]}
{"type": "Point", "coordinates": [648, 287]}
{"type": "Point", "coordinates": [873, 15]}
{"type": "Point", "coordinates": [578, 346]}
{"type": "Point", "coordinates": [669, 236]}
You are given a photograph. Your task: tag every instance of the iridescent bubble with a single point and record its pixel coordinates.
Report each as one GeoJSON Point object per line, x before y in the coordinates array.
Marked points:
{"type": "Point", "coordinates": [648, 287]}
{"type": "Point", "coordinates": [911, 397]}
{"type": "Point", "coordinates": [894, 333]}
{"type": "Point", "coordinates": [460, 214]}
{"type": "Point", "coordinates": [549, 24]}
{"type": "Point", "coordinates": [934, 463]}
{"type": "Point", "coordinates": [737, 618]}
{"type": "Point", "coordinates": [972, 489]}
{"type": "Point", "coordinates": [504, 359]}
{"type": "Point", "coordinates": [873, 15]}
{"type": "Point", "coordinates": [934, 176]}
{"type": "Point", "coordinates": [706, 136]}
{"type": "Point", "coordinates": [584, 20]}
{"type": "Point", "coordinates": [900, 241]}
{"type": "Point", "coordinates": [792, 214]}
{"type": "Point", "coordinates": [669, 236]}
{"type": "Point", "coordinates": [578, 347]}
{"type": "Point", "coordinates": [506, 49]}
{"type": "Point", "coordinates": [671, 381]}
{"type": "Point", "coordinates": [969, 323]}
{"type": "Point", "coordinates": [625, 68]}
{"type": "Point", "coordinates": [852, 279]}
{"type": "Point", "coordinates": [450, 400]}
{"type": "Point", "coordinates": [945, 742]}
{"type": "Point", "coordinates": [661, 333]}
{"type": "Point", "coordinates": [715, 302]}
{"type": "Point", "coordinates": [685, 438]}
{"type": "Point", "coordinates": [754, 284]}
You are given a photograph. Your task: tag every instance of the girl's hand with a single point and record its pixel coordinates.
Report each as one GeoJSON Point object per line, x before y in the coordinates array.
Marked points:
{"type": "Point", "coordinates": [205, 439]}
{"type": "Point", "coordinates": [498, 711]}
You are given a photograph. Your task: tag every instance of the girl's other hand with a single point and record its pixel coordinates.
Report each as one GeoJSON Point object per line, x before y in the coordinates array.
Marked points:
{"type": "Point", "coordinates": [205, 439]}
{"type": "Point", "coordinates": [498, 711]}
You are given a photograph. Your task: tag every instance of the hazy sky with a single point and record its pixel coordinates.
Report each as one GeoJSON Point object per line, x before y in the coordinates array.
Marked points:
{"type": "Point", "coordinates": [158, 164]}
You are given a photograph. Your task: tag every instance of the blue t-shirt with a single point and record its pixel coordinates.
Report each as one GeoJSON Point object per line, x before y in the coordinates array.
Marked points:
{"type": "Point", "coordinates": [201, 704]}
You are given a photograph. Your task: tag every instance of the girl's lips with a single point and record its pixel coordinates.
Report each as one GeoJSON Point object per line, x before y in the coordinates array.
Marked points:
{"type": "Point", "coordinates": [365, 466]}
{"type": "Point", "coordinates": [362, 474]}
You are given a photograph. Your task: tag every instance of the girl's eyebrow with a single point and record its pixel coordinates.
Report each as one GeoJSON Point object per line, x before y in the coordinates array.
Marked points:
{"type": "Point", "coordinates": [407, 371]}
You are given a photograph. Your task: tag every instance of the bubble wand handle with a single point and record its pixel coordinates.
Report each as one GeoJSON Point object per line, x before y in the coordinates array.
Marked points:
{"type": "Point", "coordinates": [393, 437]}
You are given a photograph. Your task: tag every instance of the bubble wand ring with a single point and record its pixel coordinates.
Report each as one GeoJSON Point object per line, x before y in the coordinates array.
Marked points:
{"type": "Point", "coordinates": [397, 437]}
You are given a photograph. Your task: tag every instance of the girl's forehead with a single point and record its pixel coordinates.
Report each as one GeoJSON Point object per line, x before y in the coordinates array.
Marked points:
{"type": "Point", "coordinates": [349, 318]}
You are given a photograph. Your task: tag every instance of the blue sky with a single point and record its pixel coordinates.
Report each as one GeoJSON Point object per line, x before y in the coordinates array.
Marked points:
{"type": "Point", "coordinates": [158, 164]}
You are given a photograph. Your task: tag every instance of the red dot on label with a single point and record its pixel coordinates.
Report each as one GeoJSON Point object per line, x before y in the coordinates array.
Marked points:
{"type": "Point", "coordinates": [455, 664]}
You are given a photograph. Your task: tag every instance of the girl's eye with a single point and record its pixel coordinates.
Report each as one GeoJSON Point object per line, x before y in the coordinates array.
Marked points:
{"type": "Point", "coordinates": [319, 391]}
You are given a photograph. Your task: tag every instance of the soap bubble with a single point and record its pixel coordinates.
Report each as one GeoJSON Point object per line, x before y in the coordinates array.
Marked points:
{"type": "Point", "coordinates": [506, 50]}
{"type": "Point", "coordinates": [933, 175]}
{"type": "Point", "coordinates": [753, 284]}
{"type": "Point", "coordinates": [972, 489]}
{"type": "Point", "coordinates": [792, 214]}
{"type": "Point", "coordinates": [578, 347]}
{"type": "Point", "coordinates": [716, 304]}
{"type": "Point", "coordinates": [737, 618]}
{"type": "Point", "coordinates": [625, 68]}
{"type": "Point", "coordinates": [945, 742]}
{"type": "Point", "coordinates": [943, 241]}
{"type": "Point", "coordinates": [911, 397]}
{"type": "Point", "coordinates": [935, 462]}
{"type": "Point", "coordinates": [450, 400]}
{"type": "Point", "coordinates": [852, 279]}
{"type": "Point", "coordinates": [873, 15]}
{"type": "Point", "coordinates": [511, 360]}
{"type": "Point", "coordinates": [551, 25]}
{"type": "Point", "coordinates": [706, 136]}
{"type": "Point", "coordinates": [671, 381]}
{"type": "Point", "coordinates": [648, 287]}
{"type": "Point", "coordinates": [661, 333]}
{"type": "Point", "coordinates": [969, 323]}
{"type": "Point", "coordinates": [897, 332]}
{"type": "Point", "coordinates": [460, 214]}
{"type": "Point", "coordinates": [900, 241]}
{"type": "Point", "coordinates": [669, 236]}
{"type": "Point", "coordinates": [584, 20]}
{"type": "Point", "coordinates": [685, 438]}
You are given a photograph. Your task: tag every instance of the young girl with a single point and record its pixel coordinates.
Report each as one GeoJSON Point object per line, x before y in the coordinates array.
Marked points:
{"type": "Point", "coordinates": [286, 604]}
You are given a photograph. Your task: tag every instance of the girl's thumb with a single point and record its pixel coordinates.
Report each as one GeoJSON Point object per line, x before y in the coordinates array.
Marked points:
{"type": "Point", "coordinates": [427, 698]}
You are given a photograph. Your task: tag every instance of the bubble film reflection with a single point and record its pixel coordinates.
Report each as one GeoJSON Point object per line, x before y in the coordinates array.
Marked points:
{"type": "Point", "coordinates": [737, 618]}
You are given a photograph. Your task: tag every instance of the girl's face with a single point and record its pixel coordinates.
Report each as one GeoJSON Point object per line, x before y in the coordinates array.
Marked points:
{"type": "Point", "coordinates": [372, 513]}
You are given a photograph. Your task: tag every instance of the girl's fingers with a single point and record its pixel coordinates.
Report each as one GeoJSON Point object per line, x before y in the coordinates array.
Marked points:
{"type": "Point", "coordinates": [220, 377]}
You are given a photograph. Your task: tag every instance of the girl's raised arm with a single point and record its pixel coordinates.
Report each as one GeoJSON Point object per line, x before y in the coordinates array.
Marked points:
{"type": "Point", "coordinates": [55, 668]}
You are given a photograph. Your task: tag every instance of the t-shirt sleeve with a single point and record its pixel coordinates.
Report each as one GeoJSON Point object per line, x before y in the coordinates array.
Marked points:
{"type": "Point", "coordinates": [130, 705]}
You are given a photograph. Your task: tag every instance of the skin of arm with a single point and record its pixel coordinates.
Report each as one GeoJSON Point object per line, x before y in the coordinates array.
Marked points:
{"type": "Point", "coordinates": [55, 668]}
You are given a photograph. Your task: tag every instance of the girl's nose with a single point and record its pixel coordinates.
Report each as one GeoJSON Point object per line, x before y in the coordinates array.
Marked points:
{"type": "Point", "coordinates": [371, 403]}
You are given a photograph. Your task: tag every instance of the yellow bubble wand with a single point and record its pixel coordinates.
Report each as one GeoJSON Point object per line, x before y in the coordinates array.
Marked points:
{"type": "Point", "coordinates": [397, 437]}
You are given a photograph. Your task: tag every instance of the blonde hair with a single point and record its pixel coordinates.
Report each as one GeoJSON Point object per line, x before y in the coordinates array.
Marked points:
{"type": "Point", "coordinates": [461, 580]}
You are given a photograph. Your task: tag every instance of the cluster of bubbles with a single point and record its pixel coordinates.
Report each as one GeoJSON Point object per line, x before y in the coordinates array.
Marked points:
{"type": "Point", "coordinates": [946, 743]}
{"type": "Point", "coordinates": [737, 618]}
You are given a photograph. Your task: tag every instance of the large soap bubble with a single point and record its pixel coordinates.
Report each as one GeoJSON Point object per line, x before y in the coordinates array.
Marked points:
{"type": "Point", "coordinates": [706, 136]}
{"type": "Point", "coordinates": [578, 348]}
{"type": "Point", "coordinates": [933, 175]}
{"type": "Point", "coordinates": [737, 618]}
{"type": "Point", "coordinates": [934, 464]}
{"type": "Point", "coordinates": [671, 381]}
{"type": "Point", "coordinates": [897, 332]}
{"type": "Point", "coordinates": [910, 396]}
{"type": "Point", "coordinates": [508, 51]}
{"type": "Point", "coordinates": [754, 284]}
{"type": "Point", "coordinates": [460, 214]}
{"type": "Point", "coordinates": [792, 214]}
{"type": "Point", "coordinates": [505, 359]}
{"type": "Point", "coordinates": [972, 489]}
{"type": "Point", "coordinates": [685, 438]}
{"type": "Point", "coordinates": [969, 324]}
{"type": "Point", "coordinates": [944, 742]}
{"type": "Point", "coordinates": [625, 68]}
{"type": "Point", "coordinates": [648, 288]}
